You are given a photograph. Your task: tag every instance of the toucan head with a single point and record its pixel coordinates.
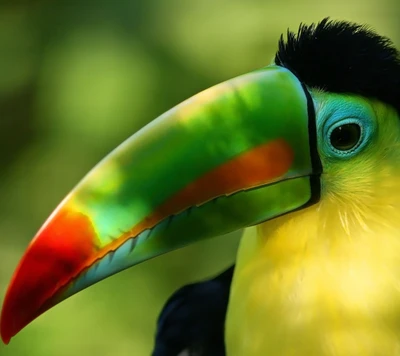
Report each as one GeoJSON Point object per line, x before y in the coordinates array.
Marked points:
{"type": "Point", "coordinates": [247, 150]}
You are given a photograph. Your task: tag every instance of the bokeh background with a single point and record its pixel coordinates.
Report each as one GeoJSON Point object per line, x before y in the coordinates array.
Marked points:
{"type": "Point", "coordinates": [79, 77]}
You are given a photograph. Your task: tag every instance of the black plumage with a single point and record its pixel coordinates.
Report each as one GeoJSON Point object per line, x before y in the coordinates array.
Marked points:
{"type": "Point", "coordinates": [192, 321]}
{"type": "Point", "coordinates": [343, 57]}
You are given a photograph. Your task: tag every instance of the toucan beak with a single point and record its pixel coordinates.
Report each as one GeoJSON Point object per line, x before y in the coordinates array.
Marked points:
{"type": "Point", "coordinates": [235, 155]}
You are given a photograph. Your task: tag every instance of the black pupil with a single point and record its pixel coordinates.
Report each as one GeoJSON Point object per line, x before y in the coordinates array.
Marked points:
{"type": "Point", "coordinates": [345, 137]}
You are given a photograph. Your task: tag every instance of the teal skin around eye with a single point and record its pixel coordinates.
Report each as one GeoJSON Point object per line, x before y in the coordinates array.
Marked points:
{"type": "Point", "coordinates": [340, 110]}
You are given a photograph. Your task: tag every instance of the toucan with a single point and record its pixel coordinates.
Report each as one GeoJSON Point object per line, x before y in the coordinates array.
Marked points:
{"type": "Point", "coordinates": [304, 154]}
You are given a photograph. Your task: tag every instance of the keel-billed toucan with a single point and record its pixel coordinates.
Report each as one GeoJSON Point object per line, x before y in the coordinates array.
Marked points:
{"type": "Point", "coordinates": [305, 152]}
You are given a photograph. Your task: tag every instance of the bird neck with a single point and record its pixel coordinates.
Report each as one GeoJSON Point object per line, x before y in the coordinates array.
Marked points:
{"type": "Point", "coordinates": [323, 281]}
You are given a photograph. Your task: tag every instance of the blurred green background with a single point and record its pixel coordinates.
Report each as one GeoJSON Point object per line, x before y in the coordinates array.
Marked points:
{"type": "Point", "coordinates": [76, 79]}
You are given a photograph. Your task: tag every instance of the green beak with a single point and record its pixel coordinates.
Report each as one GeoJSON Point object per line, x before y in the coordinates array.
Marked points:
{"type": "Point", "coordinates": [235, 155]}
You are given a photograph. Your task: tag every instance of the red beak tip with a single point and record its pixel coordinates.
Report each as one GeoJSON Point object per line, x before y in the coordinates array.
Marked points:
{"type": "Point", "coordinates": [5, 332]}
{"type": "Point", "coordinates": [6, 340]}
{"type": "Point", "coordinates": [11, 322]}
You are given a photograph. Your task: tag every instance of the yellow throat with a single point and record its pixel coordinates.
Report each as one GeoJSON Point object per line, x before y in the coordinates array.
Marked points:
{"type": "Point", "coordinates": [323, 281]}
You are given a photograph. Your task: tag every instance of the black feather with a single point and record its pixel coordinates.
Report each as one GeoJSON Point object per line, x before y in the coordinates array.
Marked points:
{"type": "Point", "coordinates": [193, 319]}
{"type": "Point", "coordinates": [342, 57]}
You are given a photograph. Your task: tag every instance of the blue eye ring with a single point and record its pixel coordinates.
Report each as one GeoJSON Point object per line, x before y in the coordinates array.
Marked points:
{"type": "Point", "coordinates": [362, 136]}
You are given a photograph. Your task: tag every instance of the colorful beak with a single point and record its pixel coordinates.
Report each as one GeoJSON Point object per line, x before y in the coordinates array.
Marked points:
{"type": "Point", "coordinates": [235, 155]}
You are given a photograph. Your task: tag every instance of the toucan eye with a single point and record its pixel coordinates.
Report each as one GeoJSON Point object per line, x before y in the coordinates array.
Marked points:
{"type": "Point", "coordinates": [345, 137]}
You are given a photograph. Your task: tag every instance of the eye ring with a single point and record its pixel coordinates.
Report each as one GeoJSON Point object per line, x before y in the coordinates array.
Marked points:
{"type": "Point", "coordinates": [345, 136]}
